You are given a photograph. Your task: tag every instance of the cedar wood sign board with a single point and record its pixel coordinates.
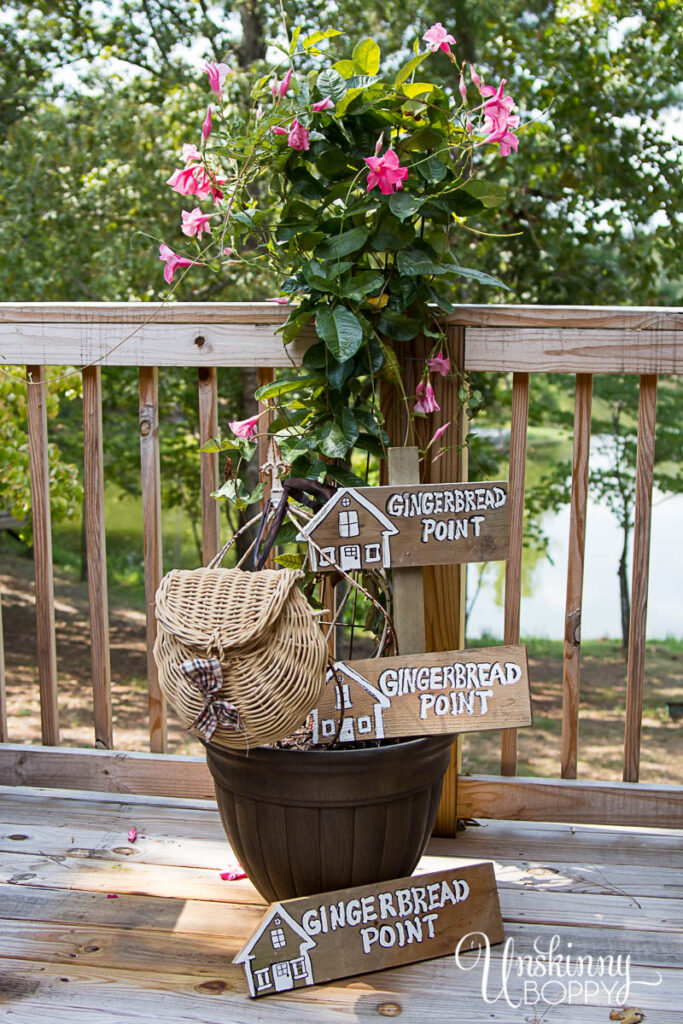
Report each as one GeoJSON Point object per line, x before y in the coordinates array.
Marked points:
{"type": "Point", "coordinates": [339, 934]}
{"type": "Point", "coordinates": [421, 524]}
{"type": "Point", "coordinates": [416, 695]}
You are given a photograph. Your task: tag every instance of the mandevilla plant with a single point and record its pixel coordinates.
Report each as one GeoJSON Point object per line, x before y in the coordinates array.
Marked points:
{"type": "Point", "coordinates": [352, 184]}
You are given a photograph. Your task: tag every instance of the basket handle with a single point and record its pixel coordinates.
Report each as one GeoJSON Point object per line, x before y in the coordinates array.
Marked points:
{"type": "Point", "coordinates": [299, 489]}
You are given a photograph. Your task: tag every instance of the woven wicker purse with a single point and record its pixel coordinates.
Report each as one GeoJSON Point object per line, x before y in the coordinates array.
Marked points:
{"type": "Point", "coordinates": [240, 655]}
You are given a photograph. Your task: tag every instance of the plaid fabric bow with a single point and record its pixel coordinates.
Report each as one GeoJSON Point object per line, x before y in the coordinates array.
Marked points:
{"type": "Point", "coordinates": [206, 675]}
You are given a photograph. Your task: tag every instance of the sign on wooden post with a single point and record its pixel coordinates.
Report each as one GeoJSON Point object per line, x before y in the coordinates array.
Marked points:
{"type": "Point", "coordinates": [399, 525]}
{"type": "Point", "coordinates": [426, 694]}
{"type": "Point", "coordinates": [371, 927]}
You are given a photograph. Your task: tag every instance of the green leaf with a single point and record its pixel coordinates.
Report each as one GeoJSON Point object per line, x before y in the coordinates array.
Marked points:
{"type": "Point", "coordinates": [414, 261]}
{"type": "Point", "coordinates": [237, 494]}
{"type": "Point", "coordinates": [488, 193]}
{"type": "Point", "coordinates": [367, 56]}
{"type": "Point", "coordinates": [432, 169]}
{"type": "Point", "coordinates": [360, 285]}
{"type": "Point", "coordinates": [317, 277]}
{"type": "Point", "coordinates": [342, 244]}
{"type": "Point", "coordinates": [291, 327]}
{"type": "Point", "coordinates": [397, 326]}
{"type": "Point", "coordinates": [392, 235]}
{"type": "Point", "coordinates": [282, 387]}
{"type": "Point", "coordinates": [317, 37]}
{"type": "Point", "coordinates": [290, 561]}
{"type": "Point", "coordinates": [415, 89]}
{"type": "Point", "coordinates": [407, 69]}
{"type": "Point", "coordinates": [330, 83]}
{"type": "Point", "coordinates": [403, 205]}
{"type": "Point", "coordinates": [341, 331]}
{"type": "Point", "coordinates": [295, 39]}
{"type": "Point", "coordinates": [349, 427]}
{"type": "Point", "coordinates": [345, 477]}
{"type": "Point", "coordinates": [346, 68]}
{"type": "Point", "coordinates": [478, 275]}
{"type": "Point", "coordinates": [332, 442]}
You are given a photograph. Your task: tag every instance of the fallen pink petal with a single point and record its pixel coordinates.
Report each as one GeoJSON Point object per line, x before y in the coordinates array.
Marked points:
{"type": "Point", "coordinates": [132, 835]}
{"type": "Point", "coordinates": [281, 300]}
{"type": "Point", "coordinates": [112, 896]}
{"type": "Point", "coordinates": [234, 873]}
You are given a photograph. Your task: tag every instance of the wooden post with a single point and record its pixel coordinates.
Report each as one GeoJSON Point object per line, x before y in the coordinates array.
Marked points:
{"type": "Point", "coordinates": [577, 541]}
{"type": "Point", "coordinates": [93, 462]}
{"type": "Point", "coordinates": [266, 375]}
{"type": "Point", "coordinates": [208, 428]}
{"type": "Point", "coordinates": [635, 683]}
{"type": "Point", "coordinates": [151, 526]}
{"type": "Point", "coordinates": [408, 585]}
{"type": "Point", "coordinates": [42, 553]}
{"type": "Point", "coordinates": [444, 585]}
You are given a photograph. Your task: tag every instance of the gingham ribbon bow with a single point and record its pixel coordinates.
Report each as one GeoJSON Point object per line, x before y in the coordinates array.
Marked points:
{"type": "Point", "coordinates": [206, 675]}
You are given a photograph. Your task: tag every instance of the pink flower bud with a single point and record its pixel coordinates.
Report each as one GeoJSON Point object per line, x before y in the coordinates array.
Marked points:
{"type": "Point", "coordinates": [284, 84]}
{"type": "Point", "coordinates": [207, 126]}
{"type": "Point", "coordinates": [325, 104]}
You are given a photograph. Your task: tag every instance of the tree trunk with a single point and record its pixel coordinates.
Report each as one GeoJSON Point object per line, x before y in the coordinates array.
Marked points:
{"type": "Point", "coordinates": [253, 46]}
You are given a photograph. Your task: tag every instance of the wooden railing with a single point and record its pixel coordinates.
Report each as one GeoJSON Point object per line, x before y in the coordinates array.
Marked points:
{"type": "Point", "coordinates": [515, 339]}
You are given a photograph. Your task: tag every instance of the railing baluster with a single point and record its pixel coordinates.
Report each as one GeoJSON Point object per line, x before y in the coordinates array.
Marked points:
{"type": "Point", "coordinates": [647, 408]}
{"type": "Point", "coordinates": [96, 549]}
{"type": "Point", "coordinates": [577, 541]}
{"type": "Point", "coordinates": [4, 735]}
{"type": "Point", "coordinates": [208, 428]}
{"type": "Point", "coordinates": [266, 375]}
{"type": "Point", "coordinates": [151, 526]}
{"type": "Point", "coordinates": [42, 553]}
{"type": "Point", "coordinates": [513, 567]}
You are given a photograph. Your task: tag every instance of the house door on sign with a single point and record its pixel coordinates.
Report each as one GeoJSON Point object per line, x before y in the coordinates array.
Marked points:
{"type": "Point", "coordinates": [282, 976]}
{"type": "Point", "coordinates": [350, 556]}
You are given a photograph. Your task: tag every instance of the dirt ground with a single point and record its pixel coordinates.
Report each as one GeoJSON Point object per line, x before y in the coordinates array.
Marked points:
{"type": "Point", "coordinates": [603, 686]}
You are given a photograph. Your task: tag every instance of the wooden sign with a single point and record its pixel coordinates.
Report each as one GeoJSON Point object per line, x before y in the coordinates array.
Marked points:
{"type": "Point", "coordinates": [421, 524]}
{"type": "Point", "coordinates": [420, 694]}
{"type": "Point", "coordinates": [368, 928]}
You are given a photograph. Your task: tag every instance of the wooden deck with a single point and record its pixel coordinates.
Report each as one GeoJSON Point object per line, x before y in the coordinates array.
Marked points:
{"type": "Point", "coordinates": [162, 949]}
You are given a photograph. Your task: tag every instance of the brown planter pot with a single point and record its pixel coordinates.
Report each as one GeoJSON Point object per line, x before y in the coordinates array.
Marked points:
{"type": "Point", "coordinates": [302, 822]}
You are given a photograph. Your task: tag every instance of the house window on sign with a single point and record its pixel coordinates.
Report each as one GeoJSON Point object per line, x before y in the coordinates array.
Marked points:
{"type": "Point", "coordinates": [372, 553]}
{"type": "Point", "coordinates": [299, 967]}
{"type": "Point", "coordinates": [277, 937]}
{"type": "Point", "coordinates": [348, 524]}
{"type": "Point", "coordinates": [262, 978]}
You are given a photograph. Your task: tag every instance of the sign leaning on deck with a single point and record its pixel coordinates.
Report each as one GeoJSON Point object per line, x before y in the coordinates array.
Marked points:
{"type": "Point", "coordinates": [401, 526]}
{"type": "Point", "coordinates": [338, 934]}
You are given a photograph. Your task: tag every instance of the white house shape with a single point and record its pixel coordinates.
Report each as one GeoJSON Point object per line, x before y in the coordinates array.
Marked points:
{"type": "Point", "coordinates": [352, 728]}
{"type": "Point", "coordinates": [245, 956]}
{"type": "Point", "coordinates": [388, 529]}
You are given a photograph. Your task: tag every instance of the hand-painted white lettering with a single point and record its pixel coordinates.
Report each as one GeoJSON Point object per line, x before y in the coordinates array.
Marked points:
{"type": "Point", "coordinates": [513, 673]}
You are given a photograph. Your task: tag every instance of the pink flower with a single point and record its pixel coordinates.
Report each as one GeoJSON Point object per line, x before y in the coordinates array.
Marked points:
{"type": "Point", "coordinates": [426, 402]}
{"type": "Point", "coordinates": [284, 84]}
{"type": "Point", "coordinates": [195, 222]}
{"type": "Point", "coordinates": [245, 428]}
{"type": "Point", "coordinates": [207, 126]}
{"type": "Point", "coordinates": [499, 121]}
{"type": "Point", "coordinates": [217, 74]}
{"type": "Point", "coordinates": [325, 104]}
{"type": "Point", "coordinates": [386, 172]}
{"type": "Point", "coordinates": [173, 262]}
{"type": "Point", "coordinates": [440, 364]}
{"type": "Point", "coordinates": [438, 38]}
{"type": "Point", "coordinates": [132, 835]}
{"type": "Point", "coordinates": [277, 130]}
{"type": "Point", "coordinates": [439, 433]}
{"type": "Point", "coordinates": [234, 872]}
{"type": "Point", "coordinates": [298, 136]}
{"type": "Point", "coordinates": [191, 153]}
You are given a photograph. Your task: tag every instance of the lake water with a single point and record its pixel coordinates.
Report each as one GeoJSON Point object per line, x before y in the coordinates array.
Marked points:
{"type": "Point", "coordinates": [543, 606]}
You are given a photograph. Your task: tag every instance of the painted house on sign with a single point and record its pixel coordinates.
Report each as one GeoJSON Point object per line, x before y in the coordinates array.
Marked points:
{"type": "Point", "coordinates": [350, 532]}
{"type": "Point", "coordinates": [354, 727]}
{"type": "Point", "coordinates": [276, 957]}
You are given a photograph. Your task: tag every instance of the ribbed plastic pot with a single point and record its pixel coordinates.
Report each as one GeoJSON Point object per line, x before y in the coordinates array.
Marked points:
{"type": "Point", "coordinates": [303, 822]}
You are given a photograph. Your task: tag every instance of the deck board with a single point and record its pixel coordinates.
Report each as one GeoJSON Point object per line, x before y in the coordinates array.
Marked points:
{"type": "Point", "coordinates": [162, 949]}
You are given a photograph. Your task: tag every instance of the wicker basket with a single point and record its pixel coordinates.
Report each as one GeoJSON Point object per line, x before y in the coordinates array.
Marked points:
{"type": "Point", "coordinates": [269, 651]}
